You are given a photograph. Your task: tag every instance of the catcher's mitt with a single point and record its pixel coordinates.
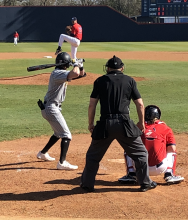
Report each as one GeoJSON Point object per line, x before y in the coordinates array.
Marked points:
{"type": "Point", "coordinates": [68, 29]}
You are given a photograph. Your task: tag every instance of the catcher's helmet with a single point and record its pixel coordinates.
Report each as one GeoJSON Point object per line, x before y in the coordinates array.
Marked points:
{"type": "Point", "coordinates": [152, 112]}
{"type": "Point", "coordinates": [63, 58]}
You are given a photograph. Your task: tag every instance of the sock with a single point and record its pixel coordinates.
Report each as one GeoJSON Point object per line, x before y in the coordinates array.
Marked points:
{"type": "Point", "coordinates": [59, 48]}
{"type": "Point", "coordinates": [167, 174]}
{"type": "Point", "coordinates": [50, 143]}
{"type": "Point", "coordinates": [130, 165]}
{"type": "Point", "coordinates": [171, 163]}
{"type": "Point", "coordinates": [64, 148]}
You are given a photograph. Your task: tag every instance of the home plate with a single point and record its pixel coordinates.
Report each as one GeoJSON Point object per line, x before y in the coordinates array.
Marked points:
{"type": "Point", "coordinates": [47, 56]}
{"type": "Point", "coordinates": [117, 160]}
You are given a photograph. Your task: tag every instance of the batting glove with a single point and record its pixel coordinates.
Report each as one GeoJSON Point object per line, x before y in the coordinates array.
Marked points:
{"type": "Point", "coordinates": [76, 64]}
{"type": "Point", "coordinates": [80, 65]}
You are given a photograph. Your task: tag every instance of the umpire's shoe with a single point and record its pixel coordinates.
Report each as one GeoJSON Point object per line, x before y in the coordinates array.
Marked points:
{"type": "Point", "coordinates": [145, 188]}
{"type": "Point", "coordinates": [87, 189]}
{"type": "Point", "coordinates": [128, 179]}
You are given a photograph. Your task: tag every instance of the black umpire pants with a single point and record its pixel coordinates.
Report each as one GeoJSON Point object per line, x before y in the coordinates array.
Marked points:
{"type": "Point", "coordinates": [133, 146]}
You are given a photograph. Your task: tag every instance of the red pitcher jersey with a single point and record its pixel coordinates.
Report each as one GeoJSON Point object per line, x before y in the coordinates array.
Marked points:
{"type": "Point", "coordinates": [77, 31]}
{"type": "Point", "coordinates": [156, 138]}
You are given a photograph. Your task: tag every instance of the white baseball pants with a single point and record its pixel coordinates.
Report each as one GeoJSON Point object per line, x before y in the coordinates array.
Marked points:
{"type": "Point", "coordinates": [15, 40]}
{"type": "Point", "coordinates": [155, 171]}
{"type": "Point", "coordinates": [73, 41]}
{"type": "Point", "coordinates": [167, 163]}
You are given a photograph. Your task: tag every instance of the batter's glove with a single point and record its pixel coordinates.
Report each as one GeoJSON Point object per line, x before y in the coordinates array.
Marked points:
{"type": "Point", "coordinates": [68, 29]}
{"type": "Point", "coordinates": [79, 62]}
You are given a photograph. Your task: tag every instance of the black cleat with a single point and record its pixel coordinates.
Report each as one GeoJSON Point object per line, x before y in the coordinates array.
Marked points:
{"type": "Point", "coordinates": [58, 50]}
{"type": "Point", "coordinates": [145, 188]}
{"type": "Point", "coordinates": [128, 179]}
{"type": "Point", "coordinates": [88, 189]}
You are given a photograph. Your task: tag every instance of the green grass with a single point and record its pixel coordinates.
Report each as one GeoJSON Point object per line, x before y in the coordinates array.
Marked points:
{"type": "Point", "coordinates": [170, 97]}
{"type": "Point", "coordinates": [21, 116]}
{"type": "Point", "coordinates": [97, 46]}
{"type": "Point", "coordinates": [158, 70]}
{"type": "Point", "coordinates": [18, 67]}
{"type": "Point", "coordinates": [165, 85]}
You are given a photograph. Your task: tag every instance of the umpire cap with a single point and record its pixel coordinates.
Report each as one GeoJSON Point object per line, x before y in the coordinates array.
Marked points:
{"type": "Point", "coordinates": [115, 63]}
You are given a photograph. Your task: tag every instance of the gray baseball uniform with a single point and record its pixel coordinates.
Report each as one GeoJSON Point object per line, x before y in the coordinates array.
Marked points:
{"type": "Point", "coordinates": [54, 97]}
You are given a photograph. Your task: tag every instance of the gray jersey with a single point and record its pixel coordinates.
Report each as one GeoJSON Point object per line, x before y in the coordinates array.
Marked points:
{"type": "Point", "coordinates": [54, 97]}
{"type": "Point", "coordinates": [57, 86]}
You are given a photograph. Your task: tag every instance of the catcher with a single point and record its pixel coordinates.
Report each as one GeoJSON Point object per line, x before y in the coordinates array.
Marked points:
{"type": "Point", "coordinates": [159, 141]}
{"type": "Point", "coordinates": [74, 36]}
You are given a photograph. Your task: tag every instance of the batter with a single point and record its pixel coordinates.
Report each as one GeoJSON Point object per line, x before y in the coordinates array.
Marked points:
{"type": "Point", "coordinates": [52, 108]}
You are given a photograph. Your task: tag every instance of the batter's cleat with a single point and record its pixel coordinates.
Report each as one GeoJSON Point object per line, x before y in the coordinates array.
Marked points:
{"type": "Point", "coordinates": [173, 179]}
{"type": "Point", "coordinates": [128, 179]}
{"type": "Point", "coordinates": [45, 156]}
{"type": "Point", "coordinates": [58, 50]}
{"type": "Point", "coordinates": [145, 188]}
{"type": "Point", "coordinates": [66, 166]}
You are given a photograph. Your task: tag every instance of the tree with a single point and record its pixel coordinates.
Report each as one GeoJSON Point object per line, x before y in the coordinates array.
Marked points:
{"type": "Point", "coordinates": [47, 2]}
{"type": "Point", "coordinates": [9, 2]}
{"type": "Point", "coordinates": [127, 7]}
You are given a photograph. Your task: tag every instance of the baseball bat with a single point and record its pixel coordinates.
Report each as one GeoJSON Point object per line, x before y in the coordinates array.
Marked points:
{"type": "Point", "coordinates": [41, 67]}
{"type": "Point", "coordinates": [45, 66]}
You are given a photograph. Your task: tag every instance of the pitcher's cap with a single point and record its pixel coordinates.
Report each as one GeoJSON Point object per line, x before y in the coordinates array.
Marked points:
{"type": "Point", "coordinates": [74, 19]}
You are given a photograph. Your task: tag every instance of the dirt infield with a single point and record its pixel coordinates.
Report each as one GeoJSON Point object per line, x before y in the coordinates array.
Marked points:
{"type": "Point", "coordinates": [34, 189]}
{"type": "Point", "coordinates": [136, 55]}
{"type": "Point", "coordinates": [42, 79]}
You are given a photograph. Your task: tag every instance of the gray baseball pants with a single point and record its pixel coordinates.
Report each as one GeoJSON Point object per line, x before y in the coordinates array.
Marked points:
{"type": "Point", "coordinates": [133, 147]}
{"type": "Point", "coordinates": [53, 115]}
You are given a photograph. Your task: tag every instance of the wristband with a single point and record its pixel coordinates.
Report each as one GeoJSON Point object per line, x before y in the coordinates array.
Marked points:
{"type": "Point", "coordinates": [81, 68]}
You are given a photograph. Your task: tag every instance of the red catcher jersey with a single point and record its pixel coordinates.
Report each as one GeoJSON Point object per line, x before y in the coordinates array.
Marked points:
{"type": "Point", "coordinates": [77, 31]}
{"type": "Point", "coordinates": [156, 138]}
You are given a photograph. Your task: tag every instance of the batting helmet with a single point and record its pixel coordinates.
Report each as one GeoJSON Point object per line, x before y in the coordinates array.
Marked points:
{"type": "Point", "coordinates": [152, 112]}
{"type": "Point", "coordinates": [63, 58]}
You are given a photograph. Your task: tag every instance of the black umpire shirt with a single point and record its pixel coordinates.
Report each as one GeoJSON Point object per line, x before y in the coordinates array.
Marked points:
{"type": "Point", "coordinates": [115, 91]}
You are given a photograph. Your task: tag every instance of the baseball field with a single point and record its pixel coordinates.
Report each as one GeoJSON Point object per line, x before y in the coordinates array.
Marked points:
{"type": "Point", "coordinates": [33, 189]}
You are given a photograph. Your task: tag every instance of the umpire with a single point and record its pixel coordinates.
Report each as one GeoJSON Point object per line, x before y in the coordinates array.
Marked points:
{"type": "Point", "coordinates": [115, 91]}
